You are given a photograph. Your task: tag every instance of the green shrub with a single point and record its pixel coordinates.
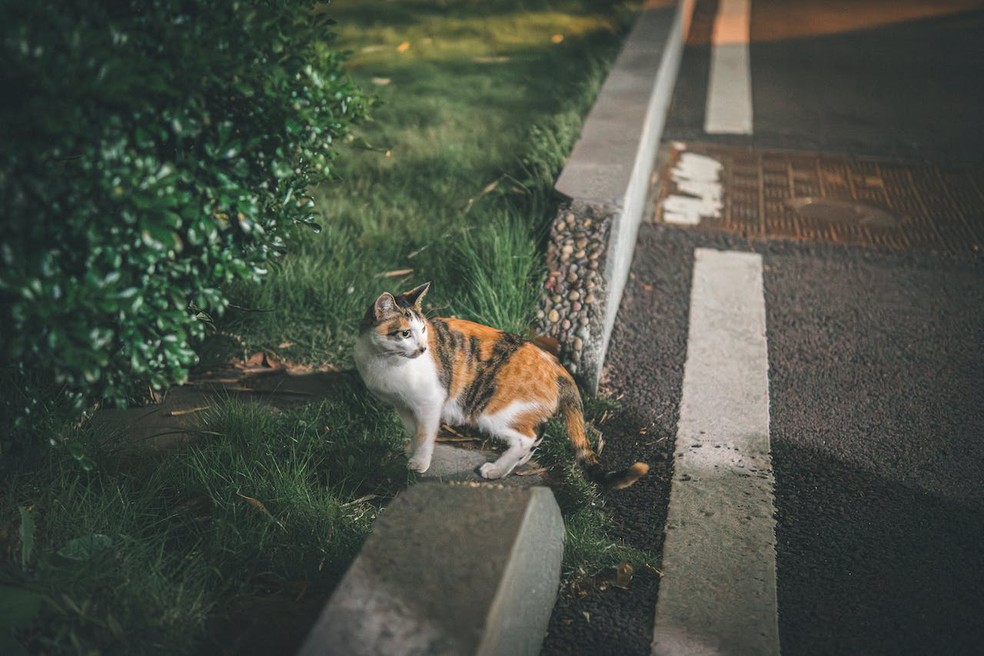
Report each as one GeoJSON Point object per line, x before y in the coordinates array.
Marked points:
{"type": "Point", "coordinates": [152, 152]}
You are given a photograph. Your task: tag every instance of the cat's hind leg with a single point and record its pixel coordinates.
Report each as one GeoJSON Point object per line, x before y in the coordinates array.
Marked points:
{"type": "Point", "coordinates": [515, 424]}
{"type": "Point", "coordinates": [519, 451]}
{"type": "Point", "coordinates": [536, 443]}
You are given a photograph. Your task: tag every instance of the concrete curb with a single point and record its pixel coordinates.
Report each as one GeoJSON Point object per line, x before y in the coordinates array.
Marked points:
{"type": "Point", "coordinates": [608, 175]}
{"type": "Point", "coordinates": [449, 569]}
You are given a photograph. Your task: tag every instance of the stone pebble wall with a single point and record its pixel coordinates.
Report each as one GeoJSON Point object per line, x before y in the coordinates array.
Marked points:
{"type": "Point", "coordinates": [574, 285]}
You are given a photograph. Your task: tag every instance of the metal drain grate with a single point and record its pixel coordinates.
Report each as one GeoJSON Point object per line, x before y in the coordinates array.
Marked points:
{"type": "Point", "coordinates": [842, 200]}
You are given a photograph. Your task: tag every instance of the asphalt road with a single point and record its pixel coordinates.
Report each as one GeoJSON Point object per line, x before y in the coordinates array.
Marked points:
{"type": "Point", "coordinates": [876, 357]}
{"type": "Point", "coordinates": [899, 78]}
{"type": "Point", "coordinates": [877, 379]}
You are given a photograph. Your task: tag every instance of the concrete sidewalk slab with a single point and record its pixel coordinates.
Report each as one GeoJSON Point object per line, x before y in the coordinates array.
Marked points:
{"type": "Point", "coordinates": [449, 569]}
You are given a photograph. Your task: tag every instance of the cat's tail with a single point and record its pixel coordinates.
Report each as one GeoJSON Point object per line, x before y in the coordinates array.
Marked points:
{"type": "Point", "coordinates": [573, 413]}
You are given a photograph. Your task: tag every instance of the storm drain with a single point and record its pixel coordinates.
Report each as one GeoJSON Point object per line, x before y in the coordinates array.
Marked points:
{"type": "Point", "coordinates": [762, 194]}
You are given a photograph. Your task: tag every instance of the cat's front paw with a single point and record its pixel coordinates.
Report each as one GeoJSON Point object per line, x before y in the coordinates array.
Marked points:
{"type": "Point", "coordinates": [489, 470]}
{"type": "Point", "coordinates": [419, 463]}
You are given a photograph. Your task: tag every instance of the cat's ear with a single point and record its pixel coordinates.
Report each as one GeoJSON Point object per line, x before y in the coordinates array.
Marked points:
{"type": "Point", "coordinates": [415, 295]}
{"type": "Point", "coordinates": [384, 307]}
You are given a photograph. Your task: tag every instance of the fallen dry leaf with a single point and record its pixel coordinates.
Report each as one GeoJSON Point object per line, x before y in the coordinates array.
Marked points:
{"type": "Point", "coordinates": [623, 575]}
{"type": "Point", "coordinates": [256, 503]}
{"type": "Point", "coordinates": [652, 570]}
{"type": "Point", "coordinates": [354, 502]}
{"type": "Point", "coordinates": [403, 47]}
{"type": "Point", "coordinates": [261, 360]}
{"type": "Point", "coordinates": [458, 440]}
{"type": "Point", "coordinates": [442, 438]}
{"type": "Point", "coordinates": [451, 430]}
{"type": "Point", "coordinates": [395, 273]}
{"type": "Point", "coordinates": [491, 60]}
{"type": "Point", "coordinates": [185, 411]}
{"type": "Point", "coordinates": [489, 188]}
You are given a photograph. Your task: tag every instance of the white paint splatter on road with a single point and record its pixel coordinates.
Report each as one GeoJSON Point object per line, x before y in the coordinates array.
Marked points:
{"type": "Point", "coordinates": [697, 177]}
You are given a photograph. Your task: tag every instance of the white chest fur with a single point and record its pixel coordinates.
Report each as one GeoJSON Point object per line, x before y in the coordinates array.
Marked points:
{"type": "Point", "coordinates": [406, 383]}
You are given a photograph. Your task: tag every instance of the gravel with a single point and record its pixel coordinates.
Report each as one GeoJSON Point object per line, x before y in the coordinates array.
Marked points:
{"type": "Point", "coordinates": [574, 285]}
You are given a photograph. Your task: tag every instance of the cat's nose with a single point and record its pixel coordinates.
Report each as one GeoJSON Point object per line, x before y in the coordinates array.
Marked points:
{"type": "Point", "coordinates": [422, 350]}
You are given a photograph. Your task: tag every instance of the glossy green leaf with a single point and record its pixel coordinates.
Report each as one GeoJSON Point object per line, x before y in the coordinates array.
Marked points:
{"type": "Point", "coordinates": [132, 182]}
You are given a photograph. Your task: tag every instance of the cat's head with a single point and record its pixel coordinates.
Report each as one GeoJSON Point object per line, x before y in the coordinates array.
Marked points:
{"type": "Point", "coordinates": [396, 326]}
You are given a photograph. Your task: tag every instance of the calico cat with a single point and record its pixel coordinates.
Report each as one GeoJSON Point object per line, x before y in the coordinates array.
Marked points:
{"type": "Point", "coordinates": [464, 373]}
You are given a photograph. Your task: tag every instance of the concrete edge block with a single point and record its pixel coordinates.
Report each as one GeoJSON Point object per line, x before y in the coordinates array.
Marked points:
{"type": "Point", "coordinates": [611, 168]}
{"type": "Point", "coordinates": [519, 616]}
{"type": "Point", "coordinates": [449, 569]}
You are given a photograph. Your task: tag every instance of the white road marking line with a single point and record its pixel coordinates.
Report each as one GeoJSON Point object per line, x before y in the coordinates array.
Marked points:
{"type": "Point", "coordinates": [718, 592]}
{"type": "Point", "coordinates": [729, 92]}
{"type": "Point", "coordinates": [698, 178]}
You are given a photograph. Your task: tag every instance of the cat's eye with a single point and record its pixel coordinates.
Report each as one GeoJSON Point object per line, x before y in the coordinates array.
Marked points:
{"type": "Point", "coordinates": [404, 334]}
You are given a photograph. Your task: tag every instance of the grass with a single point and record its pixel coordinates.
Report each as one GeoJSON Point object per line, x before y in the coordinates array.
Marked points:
{"type": "Point", "coordinates": [478, 109]}
{"type": "Point", "coordinates": [289, 495]}
{"type": "Point", "coordinates": [130, 552]}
